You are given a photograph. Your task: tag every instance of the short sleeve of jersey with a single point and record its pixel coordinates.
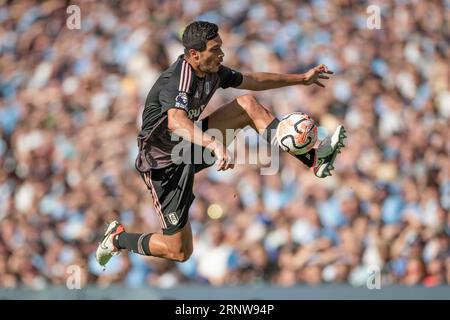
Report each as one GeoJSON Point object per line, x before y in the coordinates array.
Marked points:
{"type": "Point", "coordinates": [229, 77]}
{"type": "Point", "coordinates": [174, 92]}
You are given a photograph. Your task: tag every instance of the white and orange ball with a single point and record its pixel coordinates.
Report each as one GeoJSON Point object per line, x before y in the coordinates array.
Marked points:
{"type": "Point", "coordinates": [297, 133]}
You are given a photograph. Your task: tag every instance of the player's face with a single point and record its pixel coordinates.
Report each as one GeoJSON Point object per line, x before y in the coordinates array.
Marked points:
{"type": "Point", "coordinates": [212, 56]}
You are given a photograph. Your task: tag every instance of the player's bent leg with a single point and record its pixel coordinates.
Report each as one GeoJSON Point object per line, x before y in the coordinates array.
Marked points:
{"type": "Point", "coordinates": [246, 110]}
{"type": "Point", "coordinates": [242, 111]}
{"type": "Point", "coordinates": [171, 190]}
{"type": "Point", "coordinates": [177, 247]}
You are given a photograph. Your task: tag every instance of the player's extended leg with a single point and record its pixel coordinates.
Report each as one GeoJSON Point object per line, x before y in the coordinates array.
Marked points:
{"type": "Point", "coordinates": [246, 110]}
{"type": "Point", "coordinates": [177, 247]}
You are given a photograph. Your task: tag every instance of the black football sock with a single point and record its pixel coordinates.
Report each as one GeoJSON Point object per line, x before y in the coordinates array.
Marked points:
{"type": "Point", "coordinates": [269, 134]}
{"type": "Point", "coordinates": [134, 242]}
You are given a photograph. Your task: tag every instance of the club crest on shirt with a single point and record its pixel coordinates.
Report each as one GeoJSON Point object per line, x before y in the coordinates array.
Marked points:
{"type": "Point", "coordinates": [181, 101]}
{"type": "Point", "coordinates": [173, 218]}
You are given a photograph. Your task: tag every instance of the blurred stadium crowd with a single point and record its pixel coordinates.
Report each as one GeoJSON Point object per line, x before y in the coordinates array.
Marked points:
{"type": "Point", "coordinates": [70, 108]}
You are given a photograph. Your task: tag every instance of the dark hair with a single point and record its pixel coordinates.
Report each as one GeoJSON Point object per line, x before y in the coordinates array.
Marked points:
{"type": "Point", "coordinates": [197, 34]}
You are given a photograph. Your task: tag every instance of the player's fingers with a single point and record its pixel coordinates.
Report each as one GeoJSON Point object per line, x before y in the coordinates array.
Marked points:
{"type": "Point", "coordinates": [324, 69]}
{"type": "Point", "coordinates": [226, 162]}
{"type": "Point", "coordinates": [230, 163]}
{"type": "Point", "coordinates": [221, 164]}
{"type": "Point", "coordinates": [319, 84]}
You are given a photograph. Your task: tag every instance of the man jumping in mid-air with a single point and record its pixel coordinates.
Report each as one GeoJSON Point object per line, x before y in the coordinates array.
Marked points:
{"type": "Point", "coordinates": [175, 101]}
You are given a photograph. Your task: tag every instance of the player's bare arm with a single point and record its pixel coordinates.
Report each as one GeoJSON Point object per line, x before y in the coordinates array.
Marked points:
{"type": "Point", "coordinates": [179, 123]}
{"type": "Point", "coordinates": [257, 81]}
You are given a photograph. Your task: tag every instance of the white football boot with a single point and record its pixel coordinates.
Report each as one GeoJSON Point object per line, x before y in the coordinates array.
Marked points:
{"type": "Point", "coordinates": [327, 151]}
{"type": "Point", "coordinates": [106, 248]}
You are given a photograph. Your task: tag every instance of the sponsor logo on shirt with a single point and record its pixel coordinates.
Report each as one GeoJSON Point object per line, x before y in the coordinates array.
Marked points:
{"type": "Point", "coordinates": [195, 113]}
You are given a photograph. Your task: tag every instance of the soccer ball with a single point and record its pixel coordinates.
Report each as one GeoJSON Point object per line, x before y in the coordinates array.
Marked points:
{"type": "Point", "coordinates": [297, 133]}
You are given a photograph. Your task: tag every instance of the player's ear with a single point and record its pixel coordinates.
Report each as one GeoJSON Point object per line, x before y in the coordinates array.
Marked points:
{"type": "Point", "coordinates": [194, 54]}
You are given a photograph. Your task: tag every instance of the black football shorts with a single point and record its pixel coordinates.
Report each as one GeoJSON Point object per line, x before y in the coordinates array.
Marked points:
{"type": "Point", "coordinates": [172, 189]}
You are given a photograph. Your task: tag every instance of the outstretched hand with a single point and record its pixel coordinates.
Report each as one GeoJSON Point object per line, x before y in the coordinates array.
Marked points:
{"type": "Point", "coordinates": [315, 74]}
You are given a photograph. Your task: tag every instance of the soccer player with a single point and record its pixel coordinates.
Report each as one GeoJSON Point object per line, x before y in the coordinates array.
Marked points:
{"type": "Point", "coordinates": [175, 101]}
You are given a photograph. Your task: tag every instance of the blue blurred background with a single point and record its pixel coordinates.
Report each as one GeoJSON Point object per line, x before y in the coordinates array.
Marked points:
{"type": "Point", "coordinates": [70, 108]}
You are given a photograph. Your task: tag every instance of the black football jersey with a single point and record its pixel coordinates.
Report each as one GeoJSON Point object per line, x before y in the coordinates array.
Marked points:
{"type": "Point", "coordinates": [178, 87]}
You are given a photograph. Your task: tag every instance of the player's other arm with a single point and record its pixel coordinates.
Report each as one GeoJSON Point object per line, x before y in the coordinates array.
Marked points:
{"type": "Point", "coordinates": [258, 81]}
{"type": "Point", "coordinates": [179, 123]}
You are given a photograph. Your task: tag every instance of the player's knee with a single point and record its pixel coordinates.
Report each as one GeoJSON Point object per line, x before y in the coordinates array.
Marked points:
{"type": "Point", "coordinates": [181, 253]}
{"type": "Point", "coordinates": [249, 103]}
{"type": "Point", "coordinates": [185, 256]}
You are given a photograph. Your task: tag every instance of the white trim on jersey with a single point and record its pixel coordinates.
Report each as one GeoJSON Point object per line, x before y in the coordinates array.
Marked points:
{"type": "Point", "coordinates": [185, 77]}
{"type": "Point", "coordinates": [156, 202]}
